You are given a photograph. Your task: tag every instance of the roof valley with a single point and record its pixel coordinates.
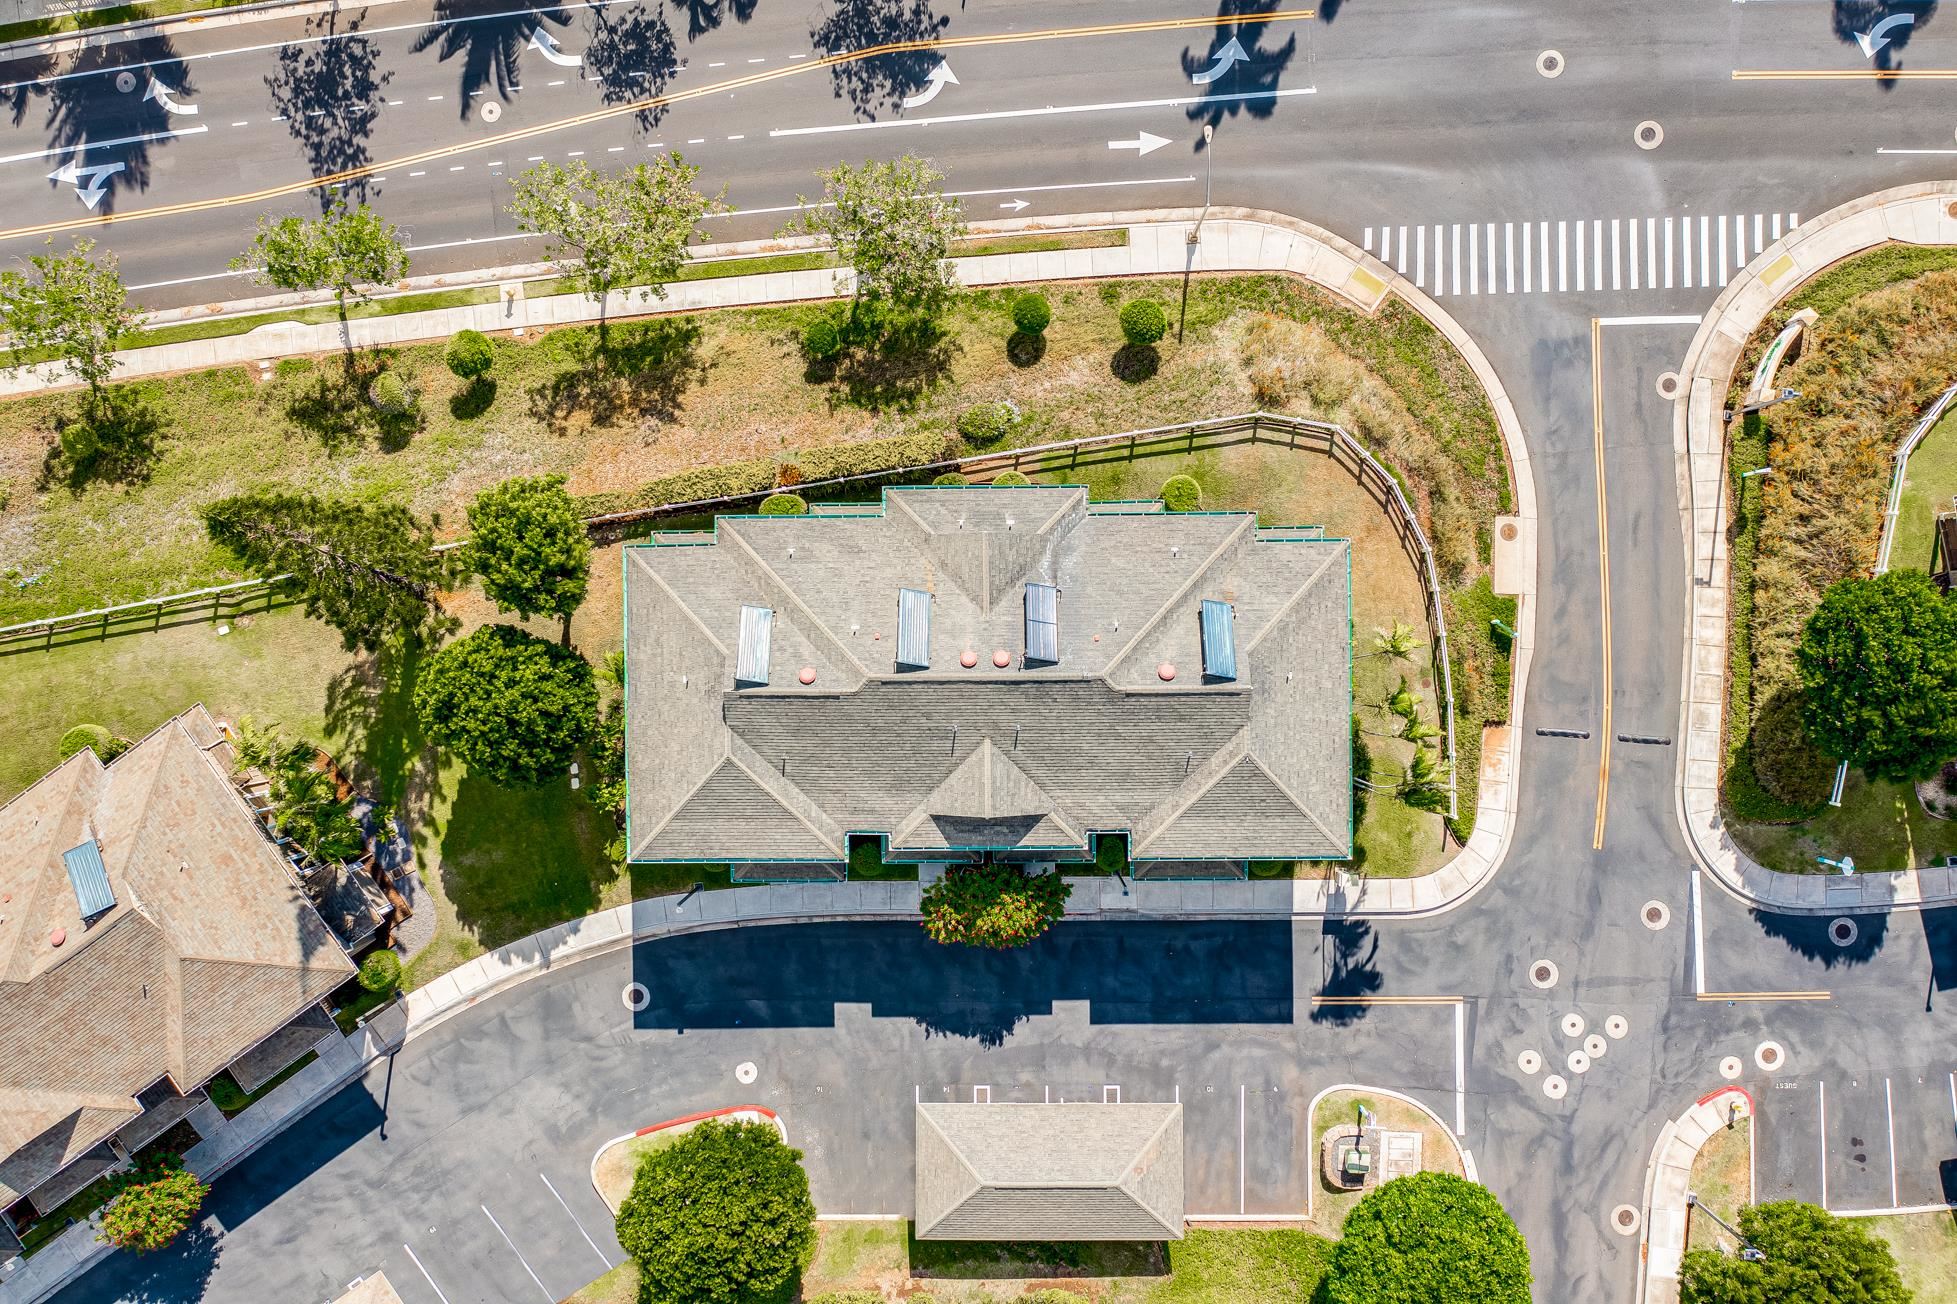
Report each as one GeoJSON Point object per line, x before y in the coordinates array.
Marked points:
{"type": "Point", "coordinates": [1169, 603]}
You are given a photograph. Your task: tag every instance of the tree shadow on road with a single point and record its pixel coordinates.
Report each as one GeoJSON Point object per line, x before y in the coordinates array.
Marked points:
{"type": "Point", "coordinates": [703, 16]}
{"type": "Point", "coordinates": [88, 105]}
{"type": "Point", "coordinates": [1808, 937]}
{"type": "Point", "coordinates": [1258, 73]}
{"type": "Point", "coordinates": [1857, 21]}
{"type": "Point", "coordinates": [879, 84]}
{"type": "Point", "coordinates": [1348, 969]}
{"type": "Point", "coordinates": [489, 37]}
{"type": "Point", "coordinates": [329, 91]}
{"type": "Point", "coordinates": [632, 54]}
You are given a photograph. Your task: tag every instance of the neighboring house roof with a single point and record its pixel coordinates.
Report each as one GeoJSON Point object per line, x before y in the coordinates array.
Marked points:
{"type": "Point", "coordinates": [209, 945]}
{"type": "Point", "coordinates": [949, 757]}
{"type": "Point", "coordinates": [1032, 1172]}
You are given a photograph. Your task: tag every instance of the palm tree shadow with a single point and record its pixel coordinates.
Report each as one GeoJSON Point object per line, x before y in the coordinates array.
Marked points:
{"type": "Point", "coordinates": [489, 37]}
{"type": "Point", "coordinates": [1257, 74]}
{"type": "Point", "coordinates": [329, 90]}
{"type": "Point", "coordinates": [880, 83]}
{"type": "Point", "coordinates": [1349, 955]}
{"type": "Point", "coordinates": [1857, 20]}
{"type": "Point", "coordinates": [89, 105]}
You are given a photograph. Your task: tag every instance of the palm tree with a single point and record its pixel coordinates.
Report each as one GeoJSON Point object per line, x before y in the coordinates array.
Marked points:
{"type": "Point", "coordinates": [1419, 731]}
{"type": "Point", "coordinates": [1402, 701]}
{"type": "Point", "coordinates": [1422, 782]}
{"type": "Point", "coordinates": [1395, 644]}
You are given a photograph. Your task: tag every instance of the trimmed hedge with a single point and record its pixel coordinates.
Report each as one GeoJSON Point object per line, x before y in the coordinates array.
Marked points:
{"type": "Point", "coordinates": [785, 505]}
{"type": "Point", "coordinates": [469, 354]}
{"type": "Point", "coordinates": [1181, 493]}
{"type": "Point", "coordinates": [950, 478]}
{"type": "Point", "coordinates": [1010, 480]}
{"type": "Point", "coordinates": [1031, 313]}
{"type": "Point", "coordinates": [391, 395]}
{"type": "Point", "coordinates": [753, 478]}
{"type": "Point", "coordinates": [984, 422]}
{"type": "Point", "coordinates": [86, 735]}
{"type": "Point", "coordinates": [870, 457]}
{"type": "Point", "coordinates": [1143, 321]}
{"type": "Point", "coordinates": [821, 339]}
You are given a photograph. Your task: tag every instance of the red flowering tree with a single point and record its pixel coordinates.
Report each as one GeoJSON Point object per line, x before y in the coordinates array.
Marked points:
{"type": "Point", "coordinates": [997, 906]}
{"type": "Point", "coordinates": [154, 1202]}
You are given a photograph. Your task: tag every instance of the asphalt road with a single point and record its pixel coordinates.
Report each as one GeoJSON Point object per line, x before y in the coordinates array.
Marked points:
{"type": "Point", "coordinates": [1424, 132]}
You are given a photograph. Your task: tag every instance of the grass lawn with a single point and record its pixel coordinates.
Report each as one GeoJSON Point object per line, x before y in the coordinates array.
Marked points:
{"type": "Point", "coordinates": [1722, 1178]}
{"type": "Point", "coordinates": [232, 1100]}
{"type": "Point", "coordinates": [618, 1165]}
{"type": "Point", "coordinates": [1330, 1204]}
{"type": "Point", "coordinates": [1879, 822]}
{"type": "Point", "coordinates": [619, 1286]}
{"type": "Point", "coordinates": [1928, 488]}
{"type": "Point", "coordinates": [1925, 1246]}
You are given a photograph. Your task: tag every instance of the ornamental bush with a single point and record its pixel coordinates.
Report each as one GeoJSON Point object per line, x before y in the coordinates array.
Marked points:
{"type": "Point", "coordinates": [1810, 1255]}
{"type": "Point", "coordinates": [720, 1216]}
{"type": "Point", "coordinates": [820, 339]}
{"type": "Point", "coordinates": [515, 707]}
{"type": "Point", "coordinates": [1878, 663]}
{"type": "Point", "coordinates": [1429, 1238]}
{"type": "Point", "coordinates": [984, 422]}
{"type": "Point", "coordinates": [381, 971]}
{"type": "Point", "coordinates": [996, 906]}
{"type": "Point", "coordinates": [785, 505]}
{"type": "Point", "coordinates": [1031, 313]}
{"type": "Point", "coordinates": [950, 477]}
{"type": "Point", "coordinates": [1181, 493]}
{"type": "Point", "coordinates": [1143, 321]}
{"type": "Point", "coordinates": [391, 395]}
{"type": "Point", "coordinates": [1785, 760]}
{"type": "Point", "coordinates": [152, 1203]}
{"type": "Point", "coordinates": [470, 354]}
{"type": "Point", "coordinates": [1010, 480]}
{"type": "Point", "coordinates": [87, 735]}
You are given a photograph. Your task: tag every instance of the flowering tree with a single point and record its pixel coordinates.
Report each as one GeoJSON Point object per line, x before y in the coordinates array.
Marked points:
{"type": "Point", "coordinates": [997, 906]}
{"type": "Point", "coordinates": [153, 1203]}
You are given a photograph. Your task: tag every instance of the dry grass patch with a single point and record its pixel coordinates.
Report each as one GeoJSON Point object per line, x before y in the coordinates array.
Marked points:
{"type": "Point", "coordinates": [1722, 1178]}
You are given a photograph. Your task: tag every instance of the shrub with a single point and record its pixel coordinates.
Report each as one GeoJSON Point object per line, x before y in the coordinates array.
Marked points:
{"type": "Point", "coordinates": [950, 477]}
{"type": "Point", "coordinates": [1808, 1254]}
{"type": "Point", "coordinates": [87, 735]}
{"type": "Point", "coordinates": [1052, 1295]}
{"type": "Point", "coordinates": [996, 906]}
{"type": "Point", "coordinates": [1181, 493]}
{"type": "Point", "coordinates": [1429, 1236]}
{"type": "Point", "coordinates": [1785, 760]}
{"type": "Point", "coordinates": [152, 1203]}
{"type": "Point", "coordinates": [785, 505]}
{"type": "Point", "coordinates": [381, 971]}
{"type": "Point", "coordinates": [870, 457]}
{"type": "Point", "coordinates": [529, 546]}
{"type": "Point", "coordinates": [821, 339]}
{"type": "Point", "coordinates": [721, 1216]}
{"type": "Point", "coordinates": [850, 1297]}
{"type": "Point", "coordinates": [984, 422]}
{"type": "Point", "coordinates": [391, 395]}
{"type": "Point", "coordinates": [469, 354]}
{"type": "Point", "coordinates": [1010, 480]}
{"type": "Point", "coordinates": [1143, 321]}
{"type": "Point", "coordinates": [1878, 662]}
{"type": "Point", "coordinates": [80, 442]}
{"type": "Point", "coordinates": [515, 707]}
{"type": "Point", "coordinates": [1031, 313]}
{"type": "Point", "coordinates": [731, 480]}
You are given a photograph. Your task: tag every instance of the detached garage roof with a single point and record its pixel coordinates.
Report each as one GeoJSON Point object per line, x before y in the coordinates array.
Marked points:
{"type": "Point", "coordinates": [1074, 1172]}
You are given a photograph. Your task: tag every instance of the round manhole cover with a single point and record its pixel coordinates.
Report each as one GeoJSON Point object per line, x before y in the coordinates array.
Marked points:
{"type": "Point", "coordinates": [1573, 1024]}
{"type": "Point", "coordinates": [1843, 932]}
{"type": "Point", "coordinates": [1595, 1046]}
{"type": "Point", "coordinates": [1656, 914]}
{"type": "Point", "coordinates": [1509, 531]}
{"type": "Point", "coordinates": [745, 1072]}
{"type": "Point", "coordinates": [490, 111]}
{"type": "Point", "coordinates": [1542, 974]}
{"type": "Point", "coordinates": [1554, 1087]}
{"type": "Point", "coordinates": [1529, 1062]}
{"type": "Point", "coordinates": [1668, 385]}
{"type": "Point", "coordinates": [1625, 1220]}
{"type": "Point", "coordinates": [1649, 135]}
{"type": "Point", "coordinates": [1730, 1067]}
{"type": "Point", "coordinates": [125, 81]}
{"type": "Point", "coordinates": [1579, 1062]}
{"type": "Point", "coordinates": [1550, 63]}
{"type": "Point", "coordinates": [1616, 1026]}
{"type": "Point", "coordinates": [1771, 1056]}
{"type": "Point", "coordinates": [636, 997]}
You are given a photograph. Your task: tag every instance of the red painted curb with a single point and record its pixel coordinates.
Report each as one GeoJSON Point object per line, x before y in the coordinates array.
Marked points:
{"type": "Point", "coordinates": [711, 1113]}
{"type": "Point", "coordinates": [1714, 1095]}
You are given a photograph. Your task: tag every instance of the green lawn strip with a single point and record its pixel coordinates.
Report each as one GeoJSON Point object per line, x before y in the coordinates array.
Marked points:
{"type": "Point", "coordinates": [38, 28]}
{"type": "Point", "coordinates": [1240, 1266]}
{"type": "Point", "coordinates": [618, 1166]}
{"type": "Point", "coordinates": [232, 1100]}
{"type": "Point", "coordinates": [856, 1255]}
{"type": "Point", "coordinates": [1331, 1203]}
{"type": "Point", "coordinates": [1722, 1178]}
{"type": "Point", "coordinates": [1929, 486]}
{"type": "Point", "coordinates": [1880, 823]}
{"type": "Point", "coordinates": [1038, 242]}
{"type": "Point", "coordinates": [75, 1208]}
{"type": "Point", "coordinates": [619, 1286]}
{"type": "Point", "coordinates": [1925, 1246]}
{"type": "Point", "coordinates": [866, 862]}
{"type": "Point", "coordinates": [348, 1016]}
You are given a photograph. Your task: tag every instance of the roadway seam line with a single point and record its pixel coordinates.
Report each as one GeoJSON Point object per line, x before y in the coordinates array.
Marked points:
{"type": "Point", "coordinates": [1844, 74]}
{"type": "Point", "coordinates": [1889, 1113]}
{"type": "Point", "coordinates": [1235, 97]}
{"type": "Point", "coordinates": [1241, 1089]}
{"type": "Point", "coordinates": [658, 101]}
{"type": "Point", "coordinates": [1603, 569]}
{"type": "Point", "coordinates": [1657, 319]}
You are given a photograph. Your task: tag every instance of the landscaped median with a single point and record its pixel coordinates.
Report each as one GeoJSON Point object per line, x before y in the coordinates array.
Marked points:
{"type": "Point", "coordinates": [1805, 482]}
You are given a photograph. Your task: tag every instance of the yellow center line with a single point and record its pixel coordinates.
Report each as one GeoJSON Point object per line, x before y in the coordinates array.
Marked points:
{"type": "Point", "coordinates": [660, 101]}
{"type": "Point", "coordinates": [1767, 996]}
{"type": "Point", "coordinates": [1603, 566]}
{"type": "Point", "coordinates": [1843, 74]}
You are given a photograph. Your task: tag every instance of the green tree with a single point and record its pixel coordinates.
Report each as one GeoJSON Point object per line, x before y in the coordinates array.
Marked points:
{"type": "Point", "coordinates": [1429, 1238]}
{"type": "Point", "coordinates": [514, 706]}
{"type": "Point", "coordinates": [1878, 661]}
{"type": "Point", "coordinates": [366, 569]}
{"type": "Point", "coordinates": [1810, 1255]}
{"type": "Point", "coordinates": [73, 306]}
{"type": "Point", "coordinates": [343, 250]}
{"type": "Point", "coordinates": [529, 545]}
{"type": "Point", "coordinates": [996, 906]}
{"type": "Point", "coordinates": [470, 354]}
{"type": "Point", "coordinates": [1143, 322]}
{"type": "Point", "coordinates": [893, 224]}
{"type": "Point", "coordinates": [152, 1203]}
{"type": "Point", "coordinates": [613, 230]}
{"type": "Point", "coordinates": [721, 1216]}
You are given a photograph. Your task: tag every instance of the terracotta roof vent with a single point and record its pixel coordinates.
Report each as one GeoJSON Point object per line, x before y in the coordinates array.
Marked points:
{"type": "Point", "coordinates": [57, 937]}
{"type": "Point", "coordinates": [1002, 658]}
{"type": "Point", "coordinates": [808, 675]}
{"type": "Point", "coordinates": [1166, 671]}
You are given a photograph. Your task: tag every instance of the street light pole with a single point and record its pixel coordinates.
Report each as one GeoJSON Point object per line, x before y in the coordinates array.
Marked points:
{"type": "Point", "coordinates": [1195, 236]}
{"type": "Point", "coordinates": [1747, 1251]}
{"type": "Point", "coordinates": [1730, 416]}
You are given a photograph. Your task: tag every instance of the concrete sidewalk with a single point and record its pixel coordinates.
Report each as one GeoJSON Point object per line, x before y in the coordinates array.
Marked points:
{"type": "Point", "coordinates": [1915, 214]}
{"type": "Point", "coordinates": [1668, 1180]}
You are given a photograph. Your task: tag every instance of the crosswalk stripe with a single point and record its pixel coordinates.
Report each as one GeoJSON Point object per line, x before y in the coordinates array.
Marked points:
{"type": "Point", "coordinates": [1508, 242]}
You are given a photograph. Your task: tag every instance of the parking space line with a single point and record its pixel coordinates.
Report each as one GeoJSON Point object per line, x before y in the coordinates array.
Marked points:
{"type": "Point", "coordinates": [1953, 1099]}
{"type": "Point", "coordinates": [1240, 1146]}
{"type": "Point", "coordinates": [1461, 1070]}
{"type": "Point", "coordinates": [574, 1218]}
{"type": "Point", "coordinates": [1889, 1112]}
{"type": "Point", "coordinates": [1698, 938]}
{"type": "Point", "coordinates": [1822, 1097]}
{"type": "Point", "coordinates": [548, 1297]}
{"type": "Point", "coordinates": [424, 1272]}
{"type": "Point", "coordinates": [1766, 996]}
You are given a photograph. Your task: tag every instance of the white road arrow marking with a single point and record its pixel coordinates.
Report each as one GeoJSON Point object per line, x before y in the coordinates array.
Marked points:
{"type": "Point", "coordinates": [90, 183]}
{"type": "Point", "coordinates": [1016, 205]}
{"type": "Point", "coordinates": [1145, 143]}
{"type": "Point", "coordinates": [938, 77]}
{"type": "Point", "coordinates": [1227, 56]}
{"type": "Point", "coordinates": [546, 44]}
{"type": "Point", "coordinates": [1877, 37]}
{"type": "Point", "coordinates": [161, 94]}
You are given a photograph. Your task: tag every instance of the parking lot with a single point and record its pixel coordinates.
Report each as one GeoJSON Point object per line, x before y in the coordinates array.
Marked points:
{"type": "Point", "coordinates": [1883, 1139]}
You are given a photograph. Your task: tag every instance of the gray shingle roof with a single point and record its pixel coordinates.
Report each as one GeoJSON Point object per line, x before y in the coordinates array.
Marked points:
{"type": "Point", "coordinates": [956, 756]}
{"type": "Point", "coordinates": [1037, 1172]}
